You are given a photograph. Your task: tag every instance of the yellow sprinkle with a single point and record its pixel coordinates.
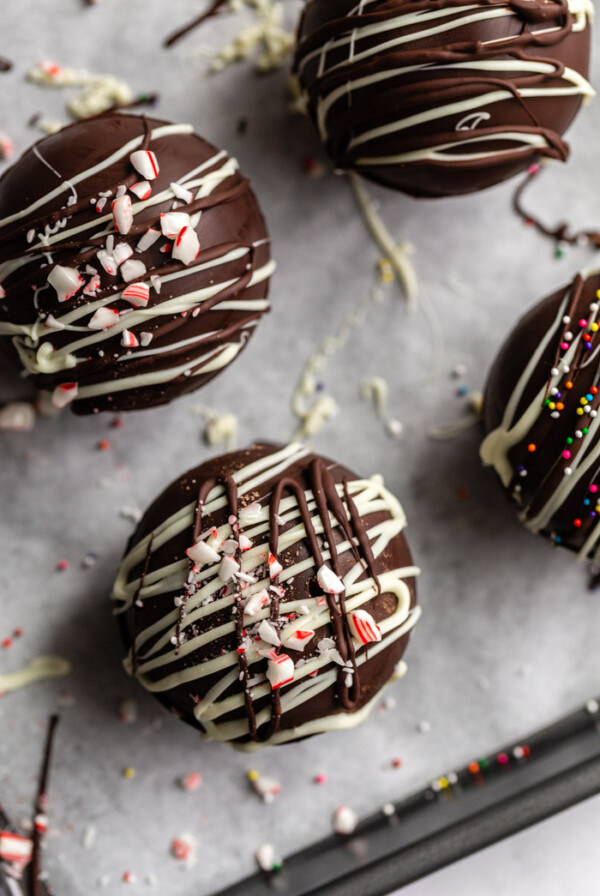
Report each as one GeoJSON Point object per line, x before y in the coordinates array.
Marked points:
{"type": "Point", "coordinates": [253, 775]}
{"type": "Point", "coordinates": [580, 411]}
{"type": "Point", "coordinates": [444, 783]}
{"type": "Point", "coordinates": [552, 405]}
{"type": "Point", "coordinates": [128, 772]}
{"type": "Point", "coordinates": [597, 508]}
{"type": "Point", "coordinates": [593, 327]}
{"type": "Point", "coordinates": [583, 401]}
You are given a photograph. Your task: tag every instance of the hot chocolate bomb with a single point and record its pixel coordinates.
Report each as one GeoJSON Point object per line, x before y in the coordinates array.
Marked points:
{"type": "Point", "coordinates": [268, 595]}
{"type": "Point", "coordinates": [134, 262]}
{"type": "Point", "coordinates": [541, 417]}
{"type": "Point", "coordinates": [443, 97]}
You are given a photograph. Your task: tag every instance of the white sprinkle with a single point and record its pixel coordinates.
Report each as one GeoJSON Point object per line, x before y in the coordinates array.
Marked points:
{"type": "Point", "coordinates": [267, 858]}
{"type": "Point", "coordinates": [89, 836]}
{"type": "Point", "coordinates": [424, 727]}
{"type": "Point", "coordinates": [345, 821]}
{"type": "Point", "coordinates": [592, 707]}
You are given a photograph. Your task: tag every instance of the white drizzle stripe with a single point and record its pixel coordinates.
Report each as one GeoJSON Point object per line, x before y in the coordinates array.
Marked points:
{"type": "Point", "coordinates": [154, 649]}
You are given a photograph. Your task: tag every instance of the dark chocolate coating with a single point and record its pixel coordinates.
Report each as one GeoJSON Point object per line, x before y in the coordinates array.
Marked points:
{"type": "Point", "coordinates": [435, 83]}
{"type": "Point", "coordinates": [537, 459]}
{"type": "Point", "coordinates": [231, 219]}
{"type": "Point", "coordinates": [308, 473]}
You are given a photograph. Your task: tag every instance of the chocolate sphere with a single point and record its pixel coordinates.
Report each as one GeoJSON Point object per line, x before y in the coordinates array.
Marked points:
{"type": "Point", "coordinates": [134, 262]}
{"type": "Point", "coordinates": [268, 595]}
{"type": "Point", "coordinates": [540, 416]}
{"type": "Point", "coordinates": [443, 97]}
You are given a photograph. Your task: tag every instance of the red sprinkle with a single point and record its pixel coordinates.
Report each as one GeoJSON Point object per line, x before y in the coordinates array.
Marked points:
{"type": "Point", "coordinates": [397, 763]}
{"type": "Point", "coordinates": [18, 632]}
{"type": "Point", "coordinates": [7, 642]}
{"type": "Point", "coordinates": [62, 565]}
{"type": "Point", "coordinates": [320, 778]}
{"type": "Point", "coordinates": [117, 422]}
{"type": "Point", "coordinates": [103, 445]}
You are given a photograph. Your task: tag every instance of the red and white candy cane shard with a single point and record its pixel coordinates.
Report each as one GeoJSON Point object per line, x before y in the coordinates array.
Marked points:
{"type": "Point", "coordinates": [172, 223]}
{"type": "Point", "coordinates": [145, 163]}
{"type": "Point", "coordinates": [64, 394]}
{"type": "Point", "coordinates": [122, 252]}
{"type": "Point", "coordinates": [107, 261]}
{"type": "Point", "coordinates": [141, 189]}
{"type": "Point", "coordinates": [268, 633]}
{"type": "Point", "coordinates": [251, 513]}
{"type": "Point", "coordinates": [299, 639]}
{"type": "Point", "coordinates": [329, 582]}
{"type": "Point", "coordinates": [14, 848]}
{"type": "Point", "coordinates": [280, 670]}
{"type": "Point", "coordinates": [363, 627]}
{"type": "Point", "coordinates": [129, 339]}
{"type": "Point", "coordinates": [66, 282]}
{"type": "Point", "coordinates": [41, 823]}
{"type": "Point", "coordinates": [275, 566]}
{"type": "Point", "coordinates": [132, 270]}
{"type": "Point", "coordinates": [202, 553]}
{"type": "Point", "coordinates": [228, 568]}
{"type": "Point", "coordinates": [137, 294]}
{"type": "Point", "coordinates": [148, 239]}
{"type": "Point", "coordinates": [256, 603]}
{"type": "Point", "coordinates": [103, 319]}
{"type": "Point", "coordinates": [182, 193]}
{"type": "Point", "coordinates": [245, 543]}
{"type": "Point", "coordinates": [122, 214]}
{"type": "Point", "coordinates": [187, 245]}
{"type": "Point", "coordinates": [184, 847]}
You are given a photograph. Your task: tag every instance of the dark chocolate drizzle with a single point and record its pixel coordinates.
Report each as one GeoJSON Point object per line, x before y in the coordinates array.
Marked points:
{"type": "Point", "coordinates": [328, 503]}
{"type": "Point", "coordinates": [41, 804]}
{"type": "Point", "coordinates": [425, 87]}
{"type": "Point", "coordinates": [212, 10]}
{"type": "Point", "coordinates": [560, 233]}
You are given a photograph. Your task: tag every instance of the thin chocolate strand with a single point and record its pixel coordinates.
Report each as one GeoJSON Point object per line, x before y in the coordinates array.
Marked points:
{"type": "Point", "coordinates": [191, 26]}
{"type": "Point", "coordinates": [41, 804]}
{"type": "Point", "coordinates": [560, 233]}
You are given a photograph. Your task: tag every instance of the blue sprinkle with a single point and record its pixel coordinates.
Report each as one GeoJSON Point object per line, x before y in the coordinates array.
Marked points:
{"type": "Point", "coordinates": [462, 390]}
{"type": "Point", "coordinates": [586, 501]}
{"type": "Point", "coordinates": [557, 539]}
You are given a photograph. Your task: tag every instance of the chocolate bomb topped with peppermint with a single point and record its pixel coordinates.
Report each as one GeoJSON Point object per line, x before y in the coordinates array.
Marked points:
{"type": "Point", "coordinates": [268, 595]}
{"type": "Point", "coordinates": [134, 262]}
{"type": "Point", "coordinates": [443, 97]}
{"type": "Point", "coordinates": [541, 418]}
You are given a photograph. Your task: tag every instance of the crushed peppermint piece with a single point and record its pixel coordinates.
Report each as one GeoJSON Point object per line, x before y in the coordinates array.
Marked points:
{"type": "Point", "coordinates": [299, 639]}
{"type": "Point", "coordinates": [256, 602]}
{"type": "Point", "coordinates": [137, 294]}
{"type": "Point", "coordinates": [132, 269]}
{"type": "Point", "coordinates": [145, 163]}
{"type": "Point", "coordinates": [107, 261]}
{"type": "Point", "coordinates": [268, 633]}
{"type": "Point", "coordinates": [172, 223]}
{"type": "Point", "coordinates": [129, 339]}
{"type": "Point", "coordinates": [66, 281]}
{"type": "Point", "coordinates": [142, 189]}
{"type": "Point", "coordinates": [185, 195]}
{"type": "Point", "coordinates": [245, 543]}
{"type": "Point", "coordinates": [252, 513]}
{"type": "Point", "coordinates": [64, 394]}
{"type": "Point", "coordinates": [228, 568]}
{"type": "Point", "coordinates": [345, 821]}
{"type": "Point", "coordinates": [145, 338]}
{"type": "Point", "coordinates": [122, 214]}
{"type": "Point", "coordinates": [89, 836]}
{"type": "Point", "coordinates": [275, 566]}
{"type": "Point", "coordinates": [92, 286]}
{"type": "Point", "coordinates": [201, 553]}
{"type": "Point", "coordinates": [148, 239]}
{"type": "Point", "coordinates": [187, 245]}
{"type": "Point", "coordinates": [280, 669]}
{"type": "Point", "coordinates": [104, 319]}
{"type": "Point", "coordinates": [131, 513]}
{"type": "Point", "coordinates": [122, 252]}
{"type": "Point", "coordinates": [363, 627]}
{"type": "Point", "coordinates": [329, 581]}
{"type": "Point", "coordinates": [156, 282]}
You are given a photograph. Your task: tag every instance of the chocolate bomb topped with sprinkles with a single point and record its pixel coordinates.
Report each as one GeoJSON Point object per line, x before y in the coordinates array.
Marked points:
{"type": "Point", "coordinates": [134, 263]}
{"type": "Point", "coordinates": [443, 97]}
{"type": "Point", "coordinates": [541, 418]}
{"type": "Point", "coordinates": [268, 595]}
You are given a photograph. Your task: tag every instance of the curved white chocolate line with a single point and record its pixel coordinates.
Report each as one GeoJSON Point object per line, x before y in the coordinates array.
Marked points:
{"type": "Point", "coordinates": [369, 496]}
{"type": "Point", "coordinates": [575, 84]}
{"type": "Point", "coordinates": [511, 430]}
{"type": "Point", "coordinates": [33, 342]}
{"type": "Point", "coordinates": [39, 669]}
